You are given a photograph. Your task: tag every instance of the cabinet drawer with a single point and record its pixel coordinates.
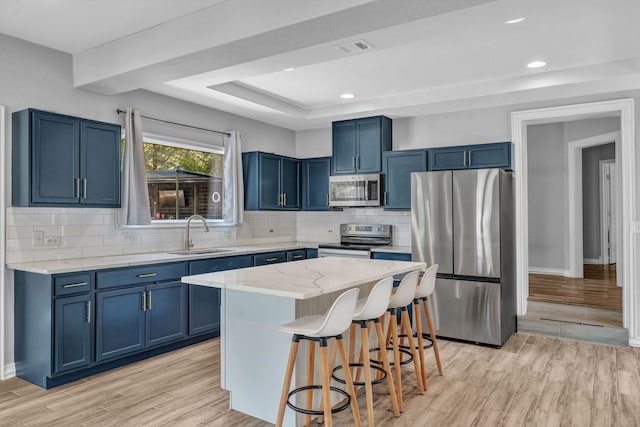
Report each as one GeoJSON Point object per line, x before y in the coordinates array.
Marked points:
{"type": "Point", "coordinates": [72, 283]}
{"type": "Point", "coordinates": [394, 256]}
{"type": "Point", "coordinates": [270, 258]}
{"type": "Point", "coordinates": [138, 275]}
{"type": "Point", "coordinates": [296, 255]}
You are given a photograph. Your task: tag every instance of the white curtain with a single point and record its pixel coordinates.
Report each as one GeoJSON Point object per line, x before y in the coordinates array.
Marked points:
{"type": "Point", "coordinates": [233, 184]}
{"type": "Point", "coordinates": [134, 208]}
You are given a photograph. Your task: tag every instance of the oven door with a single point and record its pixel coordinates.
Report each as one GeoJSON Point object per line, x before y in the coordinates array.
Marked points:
{"type": "Point", "coordinates": [344, 253]}
{"type": "Point", "coordinates": [354, 190]}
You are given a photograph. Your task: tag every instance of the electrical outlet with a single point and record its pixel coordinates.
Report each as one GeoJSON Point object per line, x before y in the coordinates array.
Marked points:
{"type": "Point", "coordinates": [271, 230]}
{"type": "Point", "coordinates": [37, 238]}
{"type": "Point", "coordinates": [330, 230]}
{"type": "Point", "coordinates": [52, 241]}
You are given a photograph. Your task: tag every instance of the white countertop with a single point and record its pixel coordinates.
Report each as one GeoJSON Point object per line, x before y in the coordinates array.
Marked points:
{"type": "Point", "coordinates": [304, 279]}
{"type": "Point", "coordinates": [97, 263]}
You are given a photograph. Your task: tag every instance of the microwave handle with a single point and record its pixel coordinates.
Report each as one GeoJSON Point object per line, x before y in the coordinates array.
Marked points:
{"type": "Point", "coordinates": [366, 190]}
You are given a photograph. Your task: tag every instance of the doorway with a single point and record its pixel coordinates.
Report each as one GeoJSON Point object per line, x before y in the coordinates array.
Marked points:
{"type": "Point", "coordinates": [624, 109]}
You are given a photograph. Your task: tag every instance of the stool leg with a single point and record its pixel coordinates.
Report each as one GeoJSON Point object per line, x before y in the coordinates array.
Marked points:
{"type": "Point", "coordinates": [387, 369]}
{"type": "Point", "coordinates": [364, 332]}
{"type": "Point", "coordinates": [350, 388]}
{"type": "Point", "coordinates": [287, 380]}
{"type": "Point", "coordinates": [418, 316]}
{"type": "Point", "coordinates": [412, 346]}
{"type": "Point", "coordinates": [393, 333]}
{"type": "Point", "coordinates": [310, 373]}
{"type": "Point", "coordinates": [326, 381]}
{"type": "Point", "coordinates": [432, 332]}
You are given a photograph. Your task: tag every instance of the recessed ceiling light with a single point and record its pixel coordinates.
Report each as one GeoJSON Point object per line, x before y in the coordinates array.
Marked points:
{"type": "Point", "coordinates": [289, 69]}
{"type": "Point", "coordinates": [536, 64]}
{"type": "Point", "coordinates": [514, 21]}
{"type": "Point", "coordinates": [347, 96]}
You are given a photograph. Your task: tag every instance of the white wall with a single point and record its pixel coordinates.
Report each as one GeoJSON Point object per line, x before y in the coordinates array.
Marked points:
{"type": "Point", "coordinates": [37, 77]}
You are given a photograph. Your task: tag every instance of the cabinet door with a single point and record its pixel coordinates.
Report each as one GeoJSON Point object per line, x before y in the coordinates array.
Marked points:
{"type": "Point", "coordinates": [55, 158]}
{"type": "Point", "coordinates": [120, 322]}
{"type": "Point", "coordinates": [369, 151]}
{"type": "Point", "coordinates": [269, 181]}
{"type": "Point", "coordinates": [100, 164]}
{"type": "Point", "coordinates": [166, 313]}
{"type": "Point", "coordinates": [315, 184]}
{"type": "Point", "coordinates": [204, 302]}
{"type": "Point", "coordinates": [497, 155]}
{"type": "Point", "coordinates": [448, 158]}
{"type": "Point", "coordinates": [290, 183]}
{"type": "Point", "coordinates": [397, 168]}
{"type": "Point", "coordinates": [72, 340]}
{"type": "Point", "coordinates": [344, 147]}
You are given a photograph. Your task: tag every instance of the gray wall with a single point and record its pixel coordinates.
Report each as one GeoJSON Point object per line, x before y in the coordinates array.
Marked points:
{"type": "Point", "coordinates": [548, 189]}
{"type": "Point", "coordinates": [591, 157]}
{"type": "Point", "coordinates": [547, 163]}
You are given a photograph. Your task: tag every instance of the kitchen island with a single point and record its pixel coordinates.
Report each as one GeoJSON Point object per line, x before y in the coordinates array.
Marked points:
{"type": "Point", "coordinates": [255, 301]}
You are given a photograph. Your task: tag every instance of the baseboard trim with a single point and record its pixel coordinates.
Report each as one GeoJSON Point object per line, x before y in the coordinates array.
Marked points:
{"type": "Point", "coordinates": [9, 371]}
{"type": "Point", "coordinates": [593, 261]}
{"type": "Point", "coordinates": [634, 342]}
{"type": "Point", "coordinates": [553, 271]}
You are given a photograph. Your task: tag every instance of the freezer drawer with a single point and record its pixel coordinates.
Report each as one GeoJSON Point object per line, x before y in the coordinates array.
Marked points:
{"type": "Point", "coordinates": [467, 310]}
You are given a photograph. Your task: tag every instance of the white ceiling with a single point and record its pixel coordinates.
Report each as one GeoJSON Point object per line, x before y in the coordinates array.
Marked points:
{"type": "Point", "coordinates": [428, 56]}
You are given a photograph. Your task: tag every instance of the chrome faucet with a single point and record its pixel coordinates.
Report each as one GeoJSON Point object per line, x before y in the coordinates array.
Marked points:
{"type": "Point", "coordinates": [188, 244]}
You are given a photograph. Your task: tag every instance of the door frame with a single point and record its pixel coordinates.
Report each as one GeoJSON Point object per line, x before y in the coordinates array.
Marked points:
{"type": "Point", "coordinates": [574, 156]}
{"type": "Point", "coordinates": [623, 108]}
{"type": "Point", "coordinates": [5, 371]}
{"type": "Point", "coordinates": [605, 205]}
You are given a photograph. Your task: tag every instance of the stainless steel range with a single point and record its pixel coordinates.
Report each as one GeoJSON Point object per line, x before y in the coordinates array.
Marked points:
{"type": "Point", "coordinates": [356, 240]}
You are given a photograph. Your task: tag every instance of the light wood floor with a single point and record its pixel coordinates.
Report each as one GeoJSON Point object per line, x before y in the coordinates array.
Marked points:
{"type": "Point", "coordinates": [532, 381]}
{"type": "Point", "coordinates": [597, 288]}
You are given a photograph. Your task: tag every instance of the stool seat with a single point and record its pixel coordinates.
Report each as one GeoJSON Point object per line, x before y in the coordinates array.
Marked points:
{"type": "Point", "coordinates": [308, 325]}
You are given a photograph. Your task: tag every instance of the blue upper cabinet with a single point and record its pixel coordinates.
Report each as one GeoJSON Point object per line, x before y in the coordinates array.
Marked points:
{"type": "Point", "coordinates": [315, 183]}
{"type": "Point", "coordinates": [358, 145]}
{"type": "Point", "coordinates": [480, 156]}
{"type": "Point", "coordinates": [397, 167]}
{"type": "Point", "coordinates": [65, 161]}
{"type": "Point", "coordinates": [271, 182]}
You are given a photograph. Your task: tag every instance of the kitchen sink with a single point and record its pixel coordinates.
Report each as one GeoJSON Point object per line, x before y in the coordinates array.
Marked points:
{"type": "Point", "coordinates": [200, 251]}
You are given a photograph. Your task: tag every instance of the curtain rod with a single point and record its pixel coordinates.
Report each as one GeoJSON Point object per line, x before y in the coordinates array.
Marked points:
{"type": "Point", "coordinates": [119, 111]}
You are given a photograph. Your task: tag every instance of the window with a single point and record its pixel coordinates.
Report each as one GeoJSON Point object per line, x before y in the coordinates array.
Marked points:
{"type": "Point", "coordinates": [183, 179]}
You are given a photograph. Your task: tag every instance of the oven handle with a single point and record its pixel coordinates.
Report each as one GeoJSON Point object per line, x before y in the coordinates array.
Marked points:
{"type": "Point", "coordinates": [343, 253]}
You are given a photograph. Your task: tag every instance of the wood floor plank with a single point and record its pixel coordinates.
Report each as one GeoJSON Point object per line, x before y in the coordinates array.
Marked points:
{"type": "Point", "coordinates": [531, 381]}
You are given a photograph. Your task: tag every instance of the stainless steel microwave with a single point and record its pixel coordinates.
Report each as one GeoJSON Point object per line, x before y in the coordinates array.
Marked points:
{"type": "Point", "coordinates": [354, 190]}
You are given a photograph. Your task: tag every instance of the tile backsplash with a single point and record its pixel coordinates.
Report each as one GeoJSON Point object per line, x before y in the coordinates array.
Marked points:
{"type": "Point", "coordinates": [39, 234]}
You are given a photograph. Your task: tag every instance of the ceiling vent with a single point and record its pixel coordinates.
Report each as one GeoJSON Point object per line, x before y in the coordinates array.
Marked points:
{"type": "Point", "coordinates": [357, 46]}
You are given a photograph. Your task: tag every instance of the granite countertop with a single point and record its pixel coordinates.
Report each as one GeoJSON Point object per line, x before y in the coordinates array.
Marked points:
{"type": "Point", "coordinates": [96, 263]}
{"type": "Point", "coordinates": [304, 279]}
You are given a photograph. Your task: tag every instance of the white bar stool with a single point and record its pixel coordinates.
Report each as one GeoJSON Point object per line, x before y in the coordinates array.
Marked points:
{"type": "Point", "coordinates": [368, 312]}
{"type": "Point", "coordinates": [320, 328]}
{"type": "Point", "coordinates": [424, 290]}
{"type": "Point", "coordinates": [404, 295]}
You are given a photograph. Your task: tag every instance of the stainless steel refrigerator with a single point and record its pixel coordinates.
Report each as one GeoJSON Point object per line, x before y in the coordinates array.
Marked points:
{"type": "Point", "coordinates": [463, 221]}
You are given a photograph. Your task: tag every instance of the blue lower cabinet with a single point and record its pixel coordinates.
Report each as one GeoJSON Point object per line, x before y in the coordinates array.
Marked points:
{"type": "Point", "coordinates": [395, 256]}
{"type": "Point", "coordinates": [166, 313]}
{"type": "Point", "coordinates": [204, 302]}
{"type": "Point", "coordinates": [270, 258]}
{"type": "Point", "coordinates": [120, 322]}
{"type": "Point", "coordinates": [73, 333]}
{"type": "Point", "coordinates": [296, 255]}
{"type": "Point", "coordinates": [312, 253]}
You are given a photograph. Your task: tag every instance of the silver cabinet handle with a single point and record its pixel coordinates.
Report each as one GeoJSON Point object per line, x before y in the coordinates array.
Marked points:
{"type": "Point", "coordinates": [353, 162]}
{"type": "Point", "coordinates": [328, 203]}
{"type": "Point", "coordinates": [150, 308]}
{"type": "Point", "coordinates": [285, 199]}
{"type": "Point", "coordinates": [144, 301]}
{"type": "Point", "coordinates": [358, 162]}
{"type": "Point", "coordinates": [147, 275]}
{"type": "Point", "coordinates": [280, 199]}
{"type": "Point", "coordinates": [77, 192]}
{"type": "Point", "coordinates": [469, 157]}
{"type": "Point", "coordinates": [84, 188]}
{"type": "Point", "coordinates": [75, 285]}
{"type": "Point", "coordinates": [385, 198]}
{"type": "Point", "coordinates": [464, 158]}
{"type": "Point", "coordinates": [88, 311]}
{"type": "Point", "coordinates": [298, 257]}
{"type": "Point", "coordinates": [271, 259]}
